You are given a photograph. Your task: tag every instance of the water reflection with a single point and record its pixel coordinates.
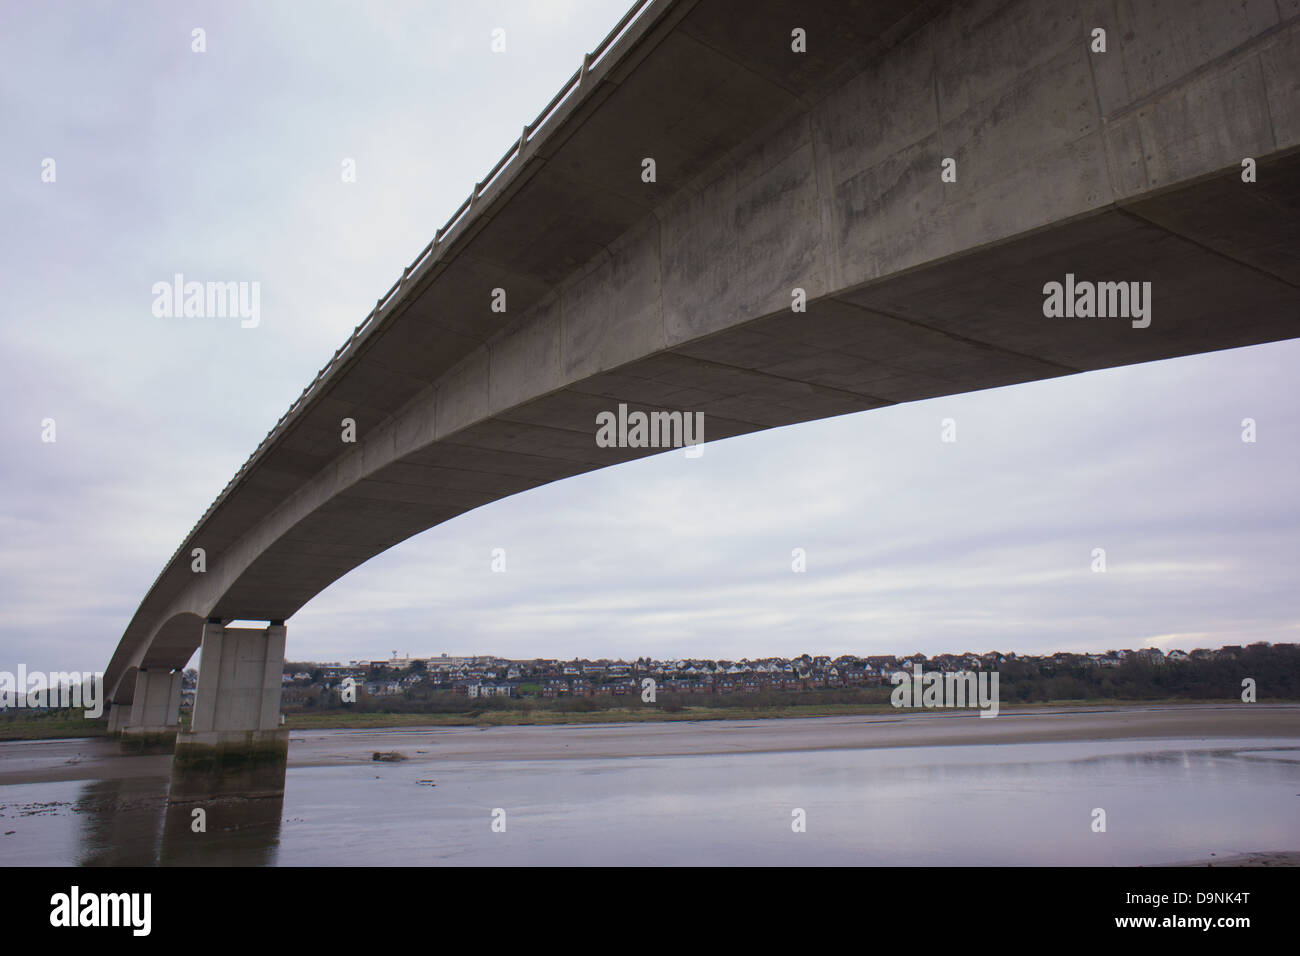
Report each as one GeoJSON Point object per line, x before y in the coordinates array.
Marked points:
{"type": "Point", "coordinates": [121, 821]}
{"type": "Point", "coordinates": [189, 819]}
{"type": "Point", "coordinates": [228, 818]}
{"type": "Point", "coordinates": [1012, 804]}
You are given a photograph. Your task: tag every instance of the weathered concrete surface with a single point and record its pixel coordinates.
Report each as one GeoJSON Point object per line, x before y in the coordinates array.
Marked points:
{"type": "Point", "coordinates": [117, 717]}
{"type": "Point", "coordinates": [778, 170]}
{"type": "Point", "coordinates": [250, 763]}
{"type": "Point", "coordinates": [155, 712]}
{"type": "Point", "coordinates": [236, 718]}
{"type": "Point", "coordinates": [239, 686]}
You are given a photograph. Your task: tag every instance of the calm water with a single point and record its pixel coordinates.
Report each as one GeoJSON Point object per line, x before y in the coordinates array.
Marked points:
{"type": "Point", "coordinates": [1007, 804]}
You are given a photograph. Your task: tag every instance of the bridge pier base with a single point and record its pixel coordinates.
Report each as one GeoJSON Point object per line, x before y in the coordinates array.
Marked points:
{"type": "Point", "coordinates": [155, 712]}
{"type": "Point", "coordinates": [235, 728]}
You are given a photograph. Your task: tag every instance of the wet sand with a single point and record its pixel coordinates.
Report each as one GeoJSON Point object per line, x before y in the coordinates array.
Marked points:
{"type": "Point", "coordinates": [1246, 859]}
{"type": "Point", "coordinates": [51, 760]}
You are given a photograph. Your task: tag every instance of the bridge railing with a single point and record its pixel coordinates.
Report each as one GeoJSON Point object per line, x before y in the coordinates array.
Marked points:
{"type": "Point", "coordinates": [440, 237]}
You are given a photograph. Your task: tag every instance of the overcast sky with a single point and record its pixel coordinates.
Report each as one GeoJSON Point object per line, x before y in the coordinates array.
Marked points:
{"type": "Point", "coordinates": [226, 164]}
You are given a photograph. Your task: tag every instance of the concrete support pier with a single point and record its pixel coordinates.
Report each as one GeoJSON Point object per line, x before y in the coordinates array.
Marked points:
{"type": "Point", "coordinates": [154, 717]}
{"type": "Point", "coordinates": [117, 717]}
{"type": "Point", "coordinates": [235, 726]}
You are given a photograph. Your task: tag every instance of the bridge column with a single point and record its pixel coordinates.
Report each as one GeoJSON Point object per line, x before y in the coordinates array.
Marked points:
{"type": "Point", "coordinates": [117, 717]}
{"type": "Point", "coordinates": [154, 717]}
{"type": "Point", "coordinates": [236, 719]}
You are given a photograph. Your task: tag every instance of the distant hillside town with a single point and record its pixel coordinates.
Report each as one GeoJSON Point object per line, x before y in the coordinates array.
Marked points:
{"type": "Point", "coordinates": [1058, 676]}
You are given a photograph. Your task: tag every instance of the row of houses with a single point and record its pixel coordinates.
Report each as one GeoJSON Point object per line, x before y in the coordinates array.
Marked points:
{"type": "Point", "coordinates": [722, 684]}
{"type": "Point", "coordinates": [1151, 655]}
{"type": "Point", "coordinates": [486, 675]}
{"type": "Point", "coordinates": [583, 687]}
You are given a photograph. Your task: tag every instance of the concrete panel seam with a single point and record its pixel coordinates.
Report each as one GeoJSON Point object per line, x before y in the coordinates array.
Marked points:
{"type": "Point", "coordinates": [1240, 51]}
{"type": "Point", "coordinates": [799, 98]}
{"type": "Point", "coordinates": [966, 340]}
{"type": "Point", "coordinates": [1123, 210]}
{"type": "Point", "coordinates": [816, 387]}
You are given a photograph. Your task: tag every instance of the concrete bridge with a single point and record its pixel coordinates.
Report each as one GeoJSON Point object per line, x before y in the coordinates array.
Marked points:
{"type": "Point", "coordinates": [920, 173]}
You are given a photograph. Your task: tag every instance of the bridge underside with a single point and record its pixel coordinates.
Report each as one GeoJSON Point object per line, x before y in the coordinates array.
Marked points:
{"type": "Point", "coordinates": [1223, 274]}
{"type": "Point", "coordinates": [820, 173]}
{"type": "Point", "coordinates": [1220, 279]}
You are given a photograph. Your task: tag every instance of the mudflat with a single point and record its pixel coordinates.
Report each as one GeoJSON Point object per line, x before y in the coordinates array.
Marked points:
{"type": "Point", "coordinates": [942, 729]}
{"type": "Point", "coordinates": [45, 760]}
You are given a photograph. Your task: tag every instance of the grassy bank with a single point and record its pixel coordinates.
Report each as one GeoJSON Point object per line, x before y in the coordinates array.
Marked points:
{"type": "Point", "coordinates": [27, 725]}
{"type": "Point", "coordinates": [515, 718]}
{"type": "Point", "coordinates": [45, 727]}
